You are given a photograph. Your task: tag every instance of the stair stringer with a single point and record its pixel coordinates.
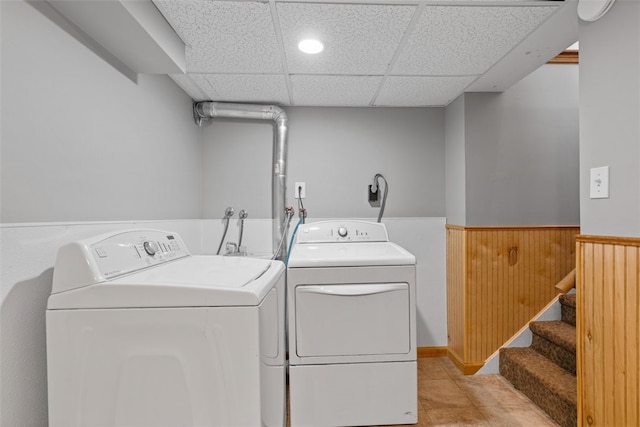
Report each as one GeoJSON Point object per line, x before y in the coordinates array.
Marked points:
{"type": "Point", "coordinates": [524, 336]}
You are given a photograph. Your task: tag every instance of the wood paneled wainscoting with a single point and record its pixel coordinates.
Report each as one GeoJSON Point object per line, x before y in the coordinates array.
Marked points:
{"type": "Point", "coordinates": [608, 327]}
{"type": "Point", "coordinates": [498, 278]}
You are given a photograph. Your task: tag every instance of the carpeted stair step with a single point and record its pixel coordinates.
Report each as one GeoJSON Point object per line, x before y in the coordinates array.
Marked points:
{"type": "Point", "coordinates": [568, 308]}
{"type": "Point", "coordinates": [555, 340]}
{"type": "Point", "coordinates": [549, 386]}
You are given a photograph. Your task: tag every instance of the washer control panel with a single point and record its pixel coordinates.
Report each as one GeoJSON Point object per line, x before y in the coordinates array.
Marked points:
{"type": "Point", "coordinates": [130, 251]}
{"type": "Point", "coordinates": [108, 256]}
{"type": "Point", "coordinates": [342, 231]}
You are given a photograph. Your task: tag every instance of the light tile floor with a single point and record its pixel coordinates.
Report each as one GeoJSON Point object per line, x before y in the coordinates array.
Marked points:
{"type": "Point", "coordinates": [448, 398]}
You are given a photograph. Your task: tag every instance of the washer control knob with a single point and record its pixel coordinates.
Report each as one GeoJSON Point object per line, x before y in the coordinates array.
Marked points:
{"type": "Point", "coordinates": [150, 247]}
{"type": "Point", "coordinates": [342, 232]}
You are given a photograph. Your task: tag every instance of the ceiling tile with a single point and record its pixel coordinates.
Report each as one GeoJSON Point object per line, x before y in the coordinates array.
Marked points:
{"type": "Point", "coordinates": [413, 91]}
{"type": "Point", "coordinates": [235, 49]}
{"type": "Point", "coordinates": [253, 88]}
{"type": "Point", "coordinates": [358, 39]}
{"type": "Point", "coordinates": [351, 91]}
{"type": "Point", "coordinates": [225, 36]}
{"type": "Point", "coordinates": [465, 40]}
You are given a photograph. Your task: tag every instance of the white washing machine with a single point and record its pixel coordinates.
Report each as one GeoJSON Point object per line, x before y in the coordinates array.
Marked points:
{"type": "Point", "coordinates": [141, 333]}
{"type": "Point", "coordinates": [351, 298]}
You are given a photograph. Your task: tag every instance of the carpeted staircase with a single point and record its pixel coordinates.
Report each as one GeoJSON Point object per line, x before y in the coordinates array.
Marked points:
{"type": "Point", "coordinates": [546, 370]}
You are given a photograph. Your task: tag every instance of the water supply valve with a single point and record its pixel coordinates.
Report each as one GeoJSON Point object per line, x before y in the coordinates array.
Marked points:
{"type": "Point", "coordinates": [289, 212]}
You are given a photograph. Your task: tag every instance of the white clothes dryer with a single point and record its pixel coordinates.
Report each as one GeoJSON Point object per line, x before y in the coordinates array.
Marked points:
{"type": "Point", "coordinates": [141, 333]}
{"type": "Point", "coordinates": [351, 296]}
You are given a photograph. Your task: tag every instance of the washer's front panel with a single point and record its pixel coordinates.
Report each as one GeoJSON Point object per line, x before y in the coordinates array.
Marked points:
{"type": "Point", "coordinates": [159, 367]}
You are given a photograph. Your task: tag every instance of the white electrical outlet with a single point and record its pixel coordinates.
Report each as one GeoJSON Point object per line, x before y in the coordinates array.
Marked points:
{"type": "Point", "coordinates": [599, 183]}
{"type": "Point", "coordinates": [300, 190]}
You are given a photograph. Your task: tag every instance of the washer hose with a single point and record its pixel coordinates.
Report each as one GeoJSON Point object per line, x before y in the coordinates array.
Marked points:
{"type": "Point", "coordinates": [293, 235]}
{"type": "Point", "coordinates": [285, 229]}
{"type": "Point", "coordinates": [228, 213]}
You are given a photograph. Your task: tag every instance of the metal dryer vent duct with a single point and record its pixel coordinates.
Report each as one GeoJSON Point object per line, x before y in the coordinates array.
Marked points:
{"type": "Point", "coordinates": [205, 112]}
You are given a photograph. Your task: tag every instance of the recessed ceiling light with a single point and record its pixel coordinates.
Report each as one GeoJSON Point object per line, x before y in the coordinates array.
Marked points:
{"type": "Point", "coordinates": [311, 46]}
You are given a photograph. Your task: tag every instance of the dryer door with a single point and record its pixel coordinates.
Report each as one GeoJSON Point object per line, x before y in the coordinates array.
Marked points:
{"type": "Point", "coordinates": [352, 320]}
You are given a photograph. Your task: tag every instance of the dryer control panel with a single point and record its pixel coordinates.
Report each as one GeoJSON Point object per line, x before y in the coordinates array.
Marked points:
{"type": "Point", "coordinates": [108, 256]}
{"type": "Point", "coordinates": [342, 231]}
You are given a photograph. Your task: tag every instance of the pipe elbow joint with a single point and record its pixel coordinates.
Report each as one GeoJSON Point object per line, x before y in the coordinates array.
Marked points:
{"type": "Point", "coordinates": [278, 114]}
{"type": "Point", "coordinates": [203, 113]}
{"type": "Point", "coordinates": [202, 109]}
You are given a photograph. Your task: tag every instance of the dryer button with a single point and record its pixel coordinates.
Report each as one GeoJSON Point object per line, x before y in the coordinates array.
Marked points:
{"type": "Point", "coordinates": [342, 232]}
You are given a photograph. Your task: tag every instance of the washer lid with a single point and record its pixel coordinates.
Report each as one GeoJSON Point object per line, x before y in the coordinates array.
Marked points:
{"type": "Point", "coordinates": [351, 254]}
{"type": "Point", "coordinates": [197, 281]}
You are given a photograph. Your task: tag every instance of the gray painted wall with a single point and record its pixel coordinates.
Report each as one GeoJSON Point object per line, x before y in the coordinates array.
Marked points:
{"type": "Point", "coordinates": [521, 152]}
{"type": "Point", "coordinates": [336, 152]}
{"type": "Point", "coordinates": [89, 153]}
{"type": "Point", "coordinates": [455, 162]}
{"type": "Point", "coordinates": [610, 119]}
{"type": "Point", "coordinates": [81, 141]}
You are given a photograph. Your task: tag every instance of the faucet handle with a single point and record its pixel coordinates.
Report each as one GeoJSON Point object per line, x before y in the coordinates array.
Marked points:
{"type": "Point", "coordinates": [243, 214]}
{"type": "Point", "coordinates": [228, 213]}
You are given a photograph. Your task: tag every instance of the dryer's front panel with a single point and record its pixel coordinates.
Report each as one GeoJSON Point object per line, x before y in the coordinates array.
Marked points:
{"type": "Point", "coordinates": [351, 315]}
{"type": "Point", "coordinates": [352, 319]}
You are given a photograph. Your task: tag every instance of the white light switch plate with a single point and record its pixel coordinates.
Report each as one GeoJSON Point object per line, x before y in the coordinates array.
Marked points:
{"type": "Point", "coordinates": [599, 183]}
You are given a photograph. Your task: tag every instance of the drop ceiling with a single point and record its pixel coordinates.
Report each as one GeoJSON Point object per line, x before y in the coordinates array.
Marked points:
{"type": "Point", "coordinates": [398, 53]}
{"type": "Point", "coordinates": [376, 53]}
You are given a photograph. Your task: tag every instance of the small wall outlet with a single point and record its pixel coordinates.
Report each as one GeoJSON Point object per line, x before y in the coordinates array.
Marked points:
{"type": "Point", "coordinates": [300, 190]}
{"type": "Point", "coordinates": [599, 183]}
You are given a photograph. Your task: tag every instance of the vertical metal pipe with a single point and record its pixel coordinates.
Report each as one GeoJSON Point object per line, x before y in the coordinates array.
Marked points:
{"type": "Point", "coordinates": [279, 183]}
{"type": "Point", "coordinates": [204, 112]}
